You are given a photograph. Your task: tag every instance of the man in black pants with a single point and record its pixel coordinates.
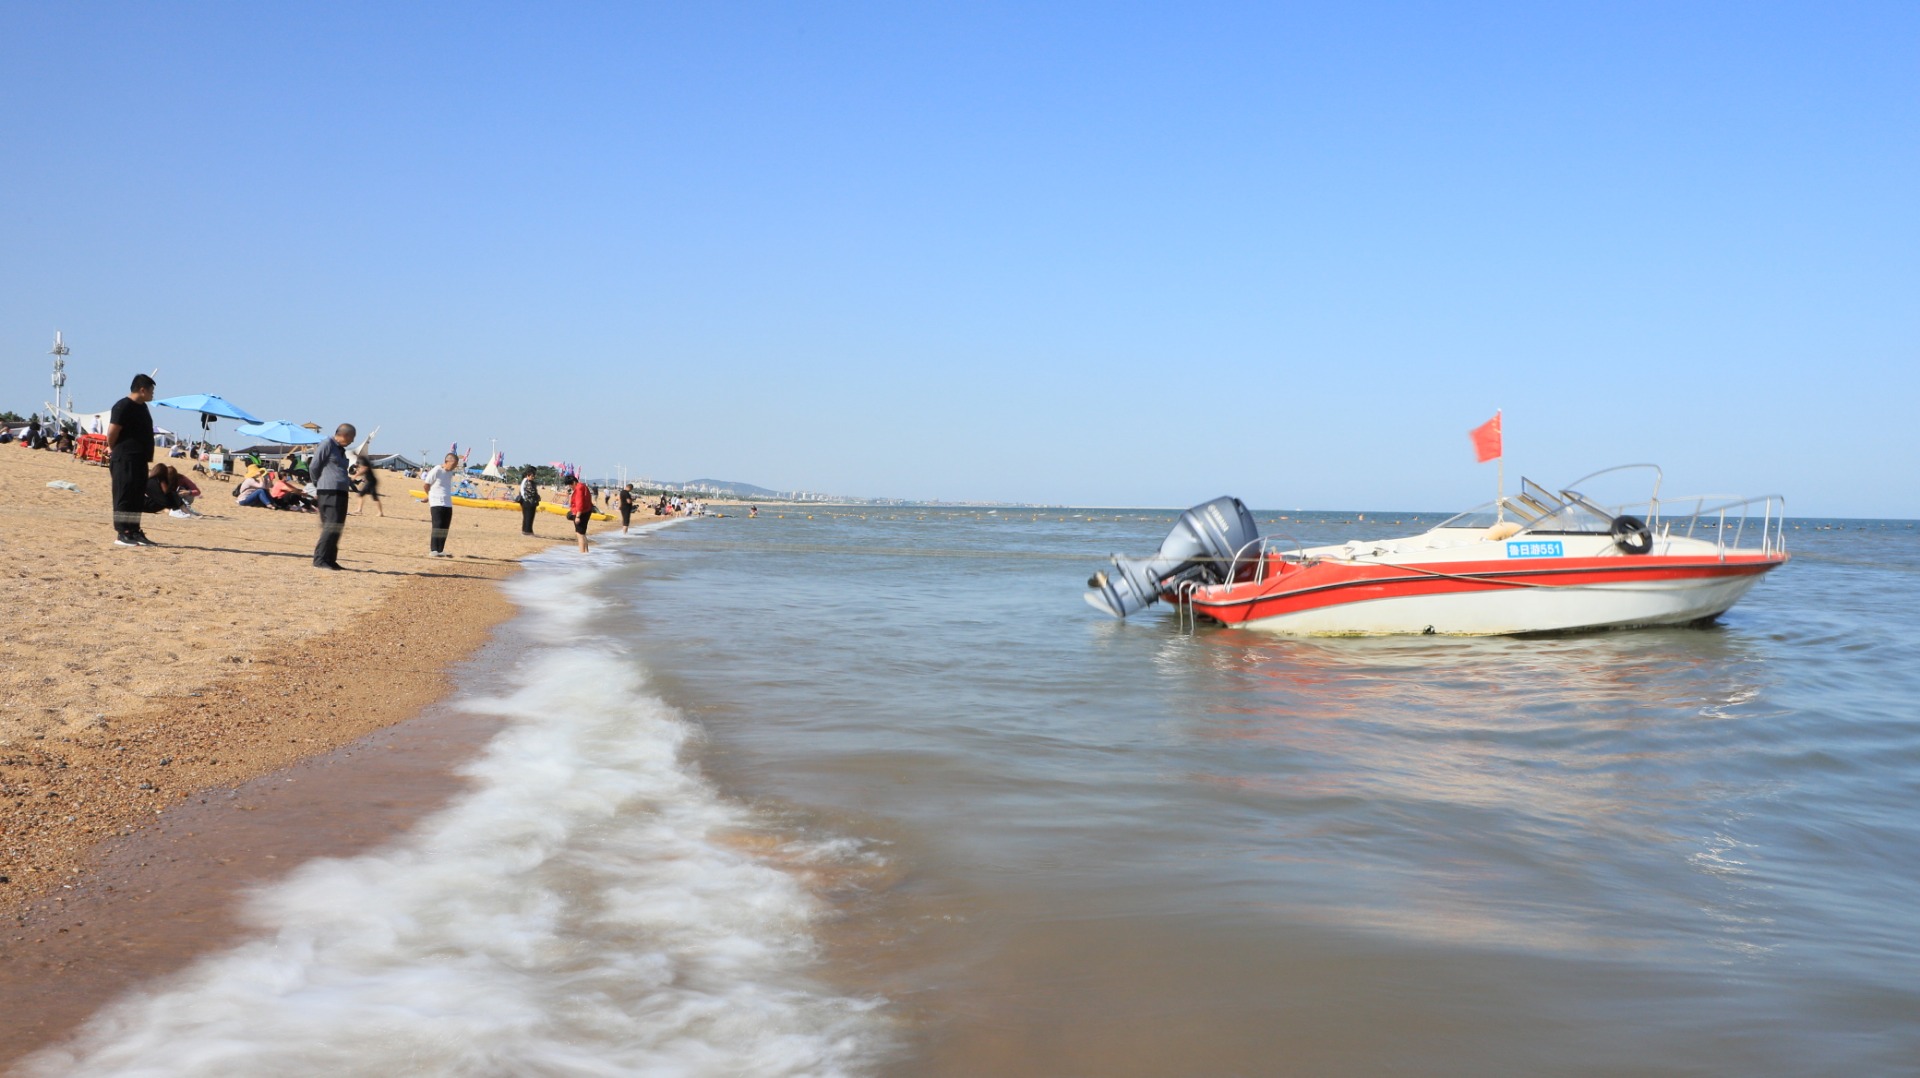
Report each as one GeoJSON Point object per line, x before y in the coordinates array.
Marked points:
{"type": "Point", "coordinates": [130, 439]}
{"type": "Point", "coordinates": [328, 482]}
{"type": "Point", "coordinates": [529, 500]}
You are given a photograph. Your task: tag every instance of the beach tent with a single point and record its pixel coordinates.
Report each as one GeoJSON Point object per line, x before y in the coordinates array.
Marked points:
{"type": "Point", "coordinates": [394, 462]}
{"type": "Point", "coordinates": [90, 422]}
{"type": "Point", "coordinates": [281, 432]}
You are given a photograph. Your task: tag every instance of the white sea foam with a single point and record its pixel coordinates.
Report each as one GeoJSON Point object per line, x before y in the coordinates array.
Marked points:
{"type": "Point", "coordinates": [581, 911]}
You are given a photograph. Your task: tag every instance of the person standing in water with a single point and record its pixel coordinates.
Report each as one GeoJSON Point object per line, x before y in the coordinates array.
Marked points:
{"type": "Point", "coordinates": [626, 507]}
{"type": "Point", "coordinates": [439, 483]}
{"type": "Point", "coordinates": [580, 504]}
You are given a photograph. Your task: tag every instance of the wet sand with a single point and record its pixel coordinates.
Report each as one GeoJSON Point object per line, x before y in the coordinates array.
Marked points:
{"type": "Point", "coordinates": [151, 902]}
{"type": "Point", "coordinates": [152, 702]}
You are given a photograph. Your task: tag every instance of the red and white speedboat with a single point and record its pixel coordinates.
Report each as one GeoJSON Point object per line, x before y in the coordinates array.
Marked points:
{"type": "Point", "coordinates": [1538, 561]}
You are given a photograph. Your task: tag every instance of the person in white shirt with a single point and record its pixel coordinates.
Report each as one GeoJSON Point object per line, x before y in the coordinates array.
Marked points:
{"type": "Point", "coordinates": [439, 484]}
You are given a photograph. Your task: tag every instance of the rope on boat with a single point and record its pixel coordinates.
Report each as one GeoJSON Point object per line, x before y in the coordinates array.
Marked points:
{"type": "Point", "coordinates": [1457, 576]}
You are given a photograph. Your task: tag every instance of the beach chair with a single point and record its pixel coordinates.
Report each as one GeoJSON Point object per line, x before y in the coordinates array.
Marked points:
{"type": "Point", "coordinates": [91, 448]}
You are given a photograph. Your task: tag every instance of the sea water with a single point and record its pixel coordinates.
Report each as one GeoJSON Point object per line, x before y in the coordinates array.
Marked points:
{"type": "Point", "coordinates": [873, 792]}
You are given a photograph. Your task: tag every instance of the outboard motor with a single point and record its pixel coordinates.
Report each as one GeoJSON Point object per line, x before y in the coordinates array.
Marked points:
{"type": "Point", "coordinates": [1201, 547]}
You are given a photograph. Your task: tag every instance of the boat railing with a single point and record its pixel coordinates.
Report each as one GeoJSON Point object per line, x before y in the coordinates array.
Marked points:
{"type": "Point", "coordinates": [1729, 517]}
{"type": "Point", "coordinates": [1658, 478]}
{"type": "Point", "coordinates": [1263, 551]}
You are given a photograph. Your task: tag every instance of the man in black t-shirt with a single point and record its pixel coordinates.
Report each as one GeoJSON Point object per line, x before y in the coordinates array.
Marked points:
{"type": "Point", "coordinates": [130, 439]}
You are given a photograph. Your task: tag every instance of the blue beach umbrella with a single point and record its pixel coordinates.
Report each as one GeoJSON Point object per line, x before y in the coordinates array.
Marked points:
{"type": "Point", "coordinates": [280, 432]}
{"type": "Point", "coordinates": [209, 405]}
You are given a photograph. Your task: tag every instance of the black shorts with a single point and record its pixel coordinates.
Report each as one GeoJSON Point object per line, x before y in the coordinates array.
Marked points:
{"type": "Point", "coordinates": [580, 522]}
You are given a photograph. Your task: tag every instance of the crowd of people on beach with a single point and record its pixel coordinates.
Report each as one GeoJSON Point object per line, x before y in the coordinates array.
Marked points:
{"type": "Point", "coordinates": [318, 482]}
{"type": "Point", "coordinates": [34, 435]}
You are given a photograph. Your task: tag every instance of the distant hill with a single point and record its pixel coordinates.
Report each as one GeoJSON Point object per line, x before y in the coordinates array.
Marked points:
{"type": "Point", "coordinates": [728, 486]}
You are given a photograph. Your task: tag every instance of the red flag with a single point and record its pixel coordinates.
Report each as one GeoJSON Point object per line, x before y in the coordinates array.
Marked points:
{"type": "Point", "coordinates": [1486, 439]}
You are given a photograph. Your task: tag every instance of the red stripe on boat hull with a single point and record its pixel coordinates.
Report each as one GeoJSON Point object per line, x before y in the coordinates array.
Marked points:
{"type": "Point", "coordinates": [1295, 589]}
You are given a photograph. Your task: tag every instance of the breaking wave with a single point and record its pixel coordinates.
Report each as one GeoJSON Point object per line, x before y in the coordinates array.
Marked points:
{"type": "Point", "coordinates": [591, 906]}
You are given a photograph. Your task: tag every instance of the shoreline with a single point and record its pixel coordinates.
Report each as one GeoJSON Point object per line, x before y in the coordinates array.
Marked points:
{"type": "Point", "coordinates": [133, 677]}
{"type": "Point", "coordinates": [152, 903]}
{"type": "Point", "coordinates": [148, 693]}
{"type": "Point", "coordinates": [129, 890]}
{"type": "Point", "coordinates": [116, 775]}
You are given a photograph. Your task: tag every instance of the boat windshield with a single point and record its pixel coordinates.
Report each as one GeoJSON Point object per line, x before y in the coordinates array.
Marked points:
{"type": "Point", "coordinates": [1566, 512]}
{"type": "Point", "coordinates": [1531, 505]}
{"type": "Point", "coordinates": [1576, 517]}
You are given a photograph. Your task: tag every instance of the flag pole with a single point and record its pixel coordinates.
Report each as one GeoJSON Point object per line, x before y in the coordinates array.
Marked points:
{"type": "Point", "coordinates": [1500, 489]}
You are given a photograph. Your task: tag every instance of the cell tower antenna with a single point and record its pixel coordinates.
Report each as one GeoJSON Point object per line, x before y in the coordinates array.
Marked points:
{"type": "Point", "coordinates": [61, 402]}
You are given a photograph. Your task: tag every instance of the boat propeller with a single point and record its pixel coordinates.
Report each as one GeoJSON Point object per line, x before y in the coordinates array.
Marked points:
{"type": "Point", "coordinates": [1201, 548]}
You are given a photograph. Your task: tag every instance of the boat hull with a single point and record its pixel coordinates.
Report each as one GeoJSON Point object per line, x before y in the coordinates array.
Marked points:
{"type": "Point", "coordinates": [1333, 599]}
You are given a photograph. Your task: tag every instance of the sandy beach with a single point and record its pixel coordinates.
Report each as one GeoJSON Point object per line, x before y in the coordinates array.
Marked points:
{"type": "Point", "coordinates": [133, 678]}
{"type": "Point", "coordinates": [138, 685]}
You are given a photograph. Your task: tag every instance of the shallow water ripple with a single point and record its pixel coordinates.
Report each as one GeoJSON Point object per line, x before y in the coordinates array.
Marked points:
{"type": "Point", "coordinates": [1661, 851]}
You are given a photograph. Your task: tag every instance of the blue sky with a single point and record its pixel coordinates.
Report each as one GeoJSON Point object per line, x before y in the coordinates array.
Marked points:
{"type": "Point", "coordinates": [1092, 254]}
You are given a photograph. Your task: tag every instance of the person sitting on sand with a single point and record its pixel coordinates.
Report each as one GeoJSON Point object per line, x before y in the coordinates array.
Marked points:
{"type": "Point", "coordinates": [168, 491]}
{"type": "Point", "coordinates": [185, 490]}
{"type": "Point", "coordinates": [251, 491]}
{"type": "Point", "coordinates": [159, 498]}
{"type": "Point", "coordinates": [287, 493]}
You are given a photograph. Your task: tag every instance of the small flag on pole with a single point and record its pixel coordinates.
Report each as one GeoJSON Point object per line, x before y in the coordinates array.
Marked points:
{"type": "Point", "coordinates": [1486, 439]}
